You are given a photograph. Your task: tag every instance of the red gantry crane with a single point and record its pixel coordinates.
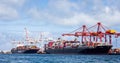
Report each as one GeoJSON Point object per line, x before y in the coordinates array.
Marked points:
{"type": "Point", "coordinates": [96, 33]}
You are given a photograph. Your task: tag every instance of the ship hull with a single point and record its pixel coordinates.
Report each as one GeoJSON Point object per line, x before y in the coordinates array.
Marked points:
{"type": "Point", "coordinates": [81, 50]}
{"type": "Point", "coordinates": [29, 51]}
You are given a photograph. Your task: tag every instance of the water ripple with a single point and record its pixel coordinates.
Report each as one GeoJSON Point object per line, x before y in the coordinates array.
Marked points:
{"type": "Point", "coordinates": [58, 58]}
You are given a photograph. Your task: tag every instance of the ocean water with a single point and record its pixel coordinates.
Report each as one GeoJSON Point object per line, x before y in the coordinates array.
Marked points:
{"type": "Point", "coordinates": [58, 58]}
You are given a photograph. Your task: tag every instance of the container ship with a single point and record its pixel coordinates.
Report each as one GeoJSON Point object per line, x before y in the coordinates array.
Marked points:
{"type": "Point", "coordinates": [92, 41]}
{"type": "Point", "coordinates": [26, 47]}
{"type": "Point", "coordinates": [77, 48]}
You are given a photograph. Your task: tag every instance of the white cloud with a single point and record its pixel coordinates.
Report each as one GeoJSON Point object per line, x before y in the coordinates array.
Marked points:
{"type": "Point", "coordinates": [65, 12]}
{"type": "Point", "coordinates": [110, 19]}
{"type": "Point", "coordinates": [36, 13]}
{"type": "Point", "coordinates": [107, 10]}
{"type": "Point", "coordinates": [13, 2]}
{"type": "Point", "coordinates": [62, 5]}
{"type": "Point", "coordinates": [8, 13]}
{"type": "Point", "coordinates": [9, 9]}
{"type": "Point", "coordinates": [77, 19]}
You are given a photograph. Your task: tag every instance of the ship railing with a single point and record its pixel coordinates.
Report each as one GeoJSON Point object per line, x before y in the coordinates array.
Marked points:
{"type": "Point", "coordinates": [102, 43]}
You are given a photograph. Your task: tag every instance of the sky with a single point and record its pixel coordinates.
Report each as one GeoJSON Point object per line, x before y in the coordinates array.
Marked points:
{"type": "Point", "coordinates": [53, 16]}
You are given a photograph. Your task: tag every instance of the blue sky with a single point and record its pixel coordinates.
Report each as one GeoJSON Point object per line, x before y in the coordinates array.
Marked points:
{"type": "Point", "coordinates": [53, 16]}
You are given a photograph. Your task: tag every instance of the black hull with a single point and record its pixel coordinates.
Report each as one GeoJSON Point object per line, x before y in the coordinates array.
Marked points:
{"type": "Point", "coordinates": [114, 54]}
{"type": "Point", "coordinates": [30, 51]}
{"type": "Point", "coordinates": [81, 50]}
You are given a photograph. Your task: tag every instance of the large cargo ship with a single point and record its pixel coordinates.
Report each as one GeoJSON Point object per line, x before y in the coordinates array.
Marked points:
{"type": "Point", "coordinates": [91, 42]}
{"type": "Point", "coordinates": [73, 47]}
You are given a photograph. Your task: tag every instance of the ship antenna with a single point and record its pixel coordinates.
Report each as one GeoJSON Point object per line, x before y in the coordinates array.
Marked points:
{"type": "Point", "coordinates": [26, 33]}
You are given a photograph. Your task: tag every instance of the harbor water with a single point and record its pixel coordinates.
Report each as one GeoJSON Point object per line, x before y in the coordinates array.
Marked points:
{"type": "Point", "coordinates": [58, 58]}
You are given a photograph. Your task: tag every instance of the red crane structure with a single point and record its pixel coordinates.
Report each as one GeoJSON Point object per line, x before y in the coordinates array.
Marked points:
{"type": "Point", "coordinates": [96, 33]}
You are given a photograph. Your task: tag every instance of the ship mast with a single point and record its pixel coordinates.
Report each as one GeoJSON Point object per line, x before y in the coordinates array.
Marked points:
{"type": "Point", "coordinates": [26, 32]}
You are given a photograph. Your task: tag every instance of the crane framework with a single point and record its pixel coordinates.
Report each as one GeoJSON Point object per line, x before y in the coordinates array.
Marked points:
{"type": "Point", "coordinates": [96, 33]}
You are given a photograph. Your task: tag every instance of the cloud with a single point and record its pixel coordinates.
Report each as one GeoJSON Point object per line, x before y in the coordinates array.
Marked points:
{"type": "Point", "coordinates": [8, 13]}
{"type": "Point", "coordinates": [13, 2]}
{"type": "Point", "coordinates": [9, 9]}
{"type": "Point", "coordinates": [110, 16]}
{"type": "Point", "coordinates": [76, 19]}
{"type": "Point", "coordinates": [36, 13]}
{"type": "Point", "coordinates": [62, 5]}
{"type": "Point", "coordinates": [65, 12]}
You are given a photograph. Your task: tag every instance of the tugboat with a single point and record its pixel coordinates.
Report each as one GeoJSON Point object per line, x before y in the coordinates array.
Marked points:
{"type": "Point", "coordinates": [92, 42]}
